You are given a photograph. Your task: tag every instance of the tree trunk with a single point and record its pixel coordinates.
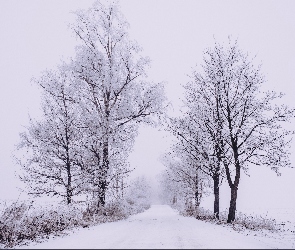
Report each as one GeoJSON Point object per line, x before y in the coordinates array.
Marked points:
{"type": "Point", "coordinates": [105, 155]}
{"type": "Point", "coordinates": [216, 174]}
{"type": "Point", "coordinates": [216, 195]}
{"type": "Point", "coordinates": [67, 148]}
{"type": "Point", "coordinates": [197, 191]}
{"type": "Point", "coordinates": [104, 171]}
{"type": "Point", "coordinates": [102, 192]}
{"type": "Point", "coordinates": [233, 186]}
{"type": "Point", "coordinates": [174, 200]}
{"type": "Point", "coordinates": [122, 187]}
{"type": "Point", "coordinates": [69, 196]}
{"type": "Point", "coordinates": [197, 200]}
{"type": "Point", "coordinates": [233, 203]}
{"type": "Point", "coordinates": [69, 184]}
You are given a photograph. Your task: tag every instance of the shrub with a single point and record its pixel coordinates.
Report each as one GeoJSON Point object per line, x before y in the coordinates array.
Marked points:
{"type": "Point", "coordinates": [22, 221]}
{"type": "Point", "coordinates": [242, 221]}
{"type": "Point", "coordinates": [199, 213]}
{"type": "Point", "coordinates": [256, 222]}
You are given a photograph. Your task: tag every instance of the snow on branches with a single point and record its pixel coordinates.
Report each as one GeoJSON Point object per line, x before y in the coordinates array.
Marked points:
{"type": "Point", "coordinates": [98, 100]}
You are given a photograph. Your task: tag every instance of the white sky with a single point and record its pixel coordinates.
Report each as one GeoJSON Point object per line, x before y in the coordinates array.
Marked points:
{"type": "Point", "coordinates": [173, 33]}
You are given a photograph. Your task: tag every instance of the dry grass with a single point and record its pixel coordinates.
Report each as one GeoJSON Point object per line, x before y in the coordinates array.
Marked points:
{"type": "Point", "coordinates": [21, 221]}
{"type": "Point", "coordinates": [242, 221]}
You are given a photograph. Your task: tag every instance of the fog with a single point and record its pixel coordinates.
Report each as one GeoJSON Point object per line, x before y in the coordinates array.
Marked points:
{"type": "Point", "coordinates": [174, 34]}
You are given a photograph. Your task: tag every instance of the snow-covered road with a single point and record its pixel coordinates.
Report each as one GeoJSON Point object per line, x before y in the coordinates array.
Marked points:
{"type": "Point", "coordinates": [161, 227]}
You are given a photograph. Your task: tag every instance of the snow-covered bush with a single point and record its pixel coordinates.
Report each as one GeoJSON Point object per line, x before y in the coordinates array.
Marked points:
{"type": "Point", "coordinates": [23, 221]}
{"type": "Point", "coordinates": [135, 198]}
{"type": "Point", "coordinates": [198, 212]}
{"type": "Point", "coordinates": [112, 211]}
{"type": "Point", "coordinates": [254, 222]}
{"type": "Point", "coordinates": [242, 221]}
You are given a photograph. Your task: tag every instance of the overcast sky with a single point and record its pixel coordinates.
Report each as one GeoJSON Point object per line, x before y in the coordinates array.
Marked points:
{"type": "Point", "coordinates": [34, 37]}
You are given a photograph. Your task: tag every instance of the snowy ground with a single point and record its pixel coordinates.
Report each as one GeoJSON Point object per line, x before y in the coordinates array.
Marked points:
{"type": "Point", "coordinates": [162, 227]}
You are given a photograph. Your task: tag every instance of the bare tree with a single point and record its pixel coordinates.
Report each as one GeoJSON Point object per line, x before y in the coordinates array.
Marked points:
{"type": "Point", "coordinates": [171, 191]}
{"type": "Point", "coordinates": [109, 75]}
{"type": "Point", "coordinates": [197, 140]}
{"type": "Point", "coordinates": [51, 143]}
{"type": "Point", "coordinates": [92, 109]}
{"type": "Point", "coordinates": [184, 167]}
{"type": "Point", "coordinates": [250, 126]}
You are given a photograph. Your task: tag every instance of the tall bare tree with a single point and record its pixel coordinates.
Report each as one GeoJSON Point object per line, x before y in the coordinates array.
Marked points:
{"type": "Point", "coordinates": [52, 144]}
{"type": "Point", "coordinates": [198, 142]}
{"type": "Point", "coordinates": [110, 77]}
{"type": "Point", "coordinates": [250, 125]}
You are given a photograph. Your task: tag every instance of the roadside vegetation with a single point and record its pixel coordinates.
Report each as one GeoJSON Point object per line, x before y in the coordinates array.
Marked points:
{"type": "Point", "coordinates": [241, 222]}
{"type": "Point", "coordinates": [22, 222]}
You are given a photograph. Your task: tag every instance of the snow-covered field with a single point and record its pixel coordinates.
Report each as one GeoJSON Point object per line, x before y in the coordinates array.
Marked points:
{"type": "Point", "coordinates": [280, 214]}
{"type": "Point", "coordinates": [283, 216]}
{"type": "Point", "coordinates": [162, 227]}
